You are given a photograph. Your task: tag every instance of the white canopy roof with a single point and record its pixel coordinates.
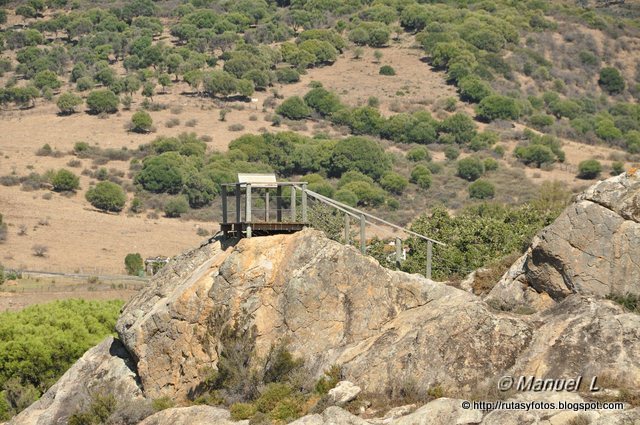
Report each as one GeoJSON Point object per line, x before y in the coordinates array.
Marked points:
{"type": "Point", "coordinates": [258, 180]}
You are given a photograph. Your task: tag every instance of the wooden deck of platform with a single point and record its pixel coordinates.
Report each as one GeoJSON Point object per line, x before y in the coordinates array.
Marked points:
{"type": "Point", "coordinates": [260, 228]}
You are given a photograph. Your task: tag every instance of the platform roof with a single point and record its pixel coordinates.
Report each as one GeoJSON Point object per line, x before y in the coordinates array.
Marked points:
{"type": "Point", "coordinates": [258, 180]}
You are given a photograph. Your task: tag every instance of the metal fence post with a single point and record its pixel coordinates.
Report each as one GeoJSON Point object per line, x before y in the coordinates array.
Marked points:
{"type": "Point", "coordinates": [429, 258]}
{"type": "Point", "coordinates": [247, 213]}
{"type": "Point", "coordinates": [293, 204]}
{"type": "Point", "coordinates": [266, 205]}
{"type": "Point", "coordinates": [304, 202]}
{"type": "Point", "coordinates": [363, 239]}
{"type": "Point", "coordinates": [347, 228]}
{"type": "Point", "coordinates": [279, 203]}
{"type": "Point", "coordinates": [224, 204]}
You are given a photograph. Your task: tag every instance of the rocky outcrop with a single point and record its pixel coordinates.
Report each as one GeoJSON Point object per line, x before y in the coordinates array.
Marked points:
{"type": "Point", "coordinates": [105, 369]}
{"type": "Point", "coordinates": [194, 415]}
{"type": "Point", "coordinates": [344, 392]}
{"type": "Point", "coordinates": [593, 248]}
{"type": "Point", "coordinates": [330, 303]}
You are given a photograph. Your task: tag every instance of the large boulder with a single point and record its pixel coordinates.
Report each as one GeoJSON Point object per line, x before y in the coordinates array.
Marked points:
{"type": "Point", "coordinates": [106, 369]}
{"type": "Point", "coordinates": [194, 415]}
{"type": "Point", "coordinates": [591, 249]}
{"type": "Point", "coordinates": [332, 305]}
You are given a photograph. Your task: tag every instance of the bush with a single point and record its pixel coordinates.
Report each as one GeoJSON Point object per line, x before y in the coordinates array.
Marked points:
{"type": "Point", "coordinates": [367, 193]}
{"type": "Point", "coordinates": [498, 107]}
{"type": "Point", "coordinates": [294, 108]}
{"type": "Point", "coordinates": [346, 197]}
{"type": "Point", "coordinates": [107, 196]}
{"type": "Point", "coordinates": [473, 89]}
{"type": "Point", "coordinates": [481, 189]}
{"type": "Point", "coordinates": [490, 164]}
{"type": "Point", "coordinates": [68, 102]}
{"type": "Point", "coordinates": [418, 153]}
{"type": "Point", "coordinates": [393, 182]}
{"type": "Point", "coordinates": [589, 169]}
{"type": "Point", "coordinates": [611, 80]}
{"type": "Point", "coordinates": [40, 342]}
{"type": "Point", "coordinates": [134, 264]}
{"type": "Point", "coordinates": [323, 101]}
{"type": "Point", "coordinates": [535, 154]}
{"type": "Point", "coordinates": [65, 180]}
{"type": "Point", "coordinates": [451, 153]}
{"type": "Point", "coordinates": [421, 176]}
{"type": "Point", "coordinates": [387, 70]}
{"type": "Point", "coordinates": [617, 168]}
{"type": "Point", "coordinates": [241, 411]}
{"type": "Point", "coordinates": [176, 207]}
{"type": "Point", "coordinates": [460, 126]}
{"type": "Point", "coordinates": [141, 122]}
{"type": "Point", "coordinates": [470, 168]}
{"type": "Point", "coordinates": [287, 75]}
{"type": "Point", "coordinates": [163, 173]}
{"type": "Point", "coordinates": [359, 154]}
{"type": "Point", "coordinates": [46, 79]}
{"type": "Point", "coordinates": [102, 101]}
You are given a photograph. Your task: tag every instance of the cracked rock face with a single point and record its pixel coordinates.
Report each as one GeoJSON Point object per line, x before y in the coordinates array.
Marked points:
{"type": "Point", "coordinates": [593, 248]}
{"type": "Point", "coordinates": [330, 303]}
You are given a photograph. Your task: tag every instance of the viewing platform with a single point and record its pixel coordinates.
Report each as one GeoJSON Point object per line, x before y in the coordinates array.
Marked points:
{"type": "Point", "coordinates": [252, 212]}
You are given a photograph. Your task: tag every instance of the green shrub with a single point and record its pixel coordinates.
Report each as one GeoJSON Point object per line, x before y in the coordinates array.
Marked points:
{"type": "Point", "coordinates": [611, 80]}
{"type": "Point", "coordinates": [68, 102]}
{"type": "Point", "coordinates": [629, 301]}
{"type": "Point", "coordinates": [346, 197]}
{"type": "Point", "coordinates": [65, 180]}
{"type": "Point", "coordinates": [421, 176]}
{"type": "Point", "coordinates": [393, 182]}
{"type": "Point", "coordinates": [541, 120]}
{"type": "Point", "coordinates": [294, 108]}
{"type": "Point", "coordinates": [176, 207]}
{"type": "Point", "coordinates": [329, 380]}
{"type": "Point", "coordinates": [359, 154]}
{"type": "Point", "coordinates": [287, 75]}
{"type": "Point", "coordinates": [162, 403]}
{"type": "Point", "coordinates": [460, 126]}
{"type": "Point", "coordinates": [102, 101]}
{"type": "Point", "coordinates": [40, 342]}
{"type": "Point", "coordinates": [617, 168]}
{"type": "Point", "coordinates": [353, 176]}
{"type": "Point", "coordinates": [418, 153]}
{"type": "Point", "coordinates": [272, 394]}
{"type": "Point", "coordinates": [107, 196]}
{"type": "Point", "coordinates": [470, 168]}
{"type": "Point", "coordinates": [141, 122]}
{"type": "Point", "coordinates": [387, 70]}
{"type": "Point", "coordinates": [535, 154]}
{"type": "Point", "coordinates": [134, 264]}
{"type": "Point", "coordinates": [498, 107]}
{"type": "Point", "coordinates": [163, 173]}
{"type": "Point", "coordinates": [46, 79]}
{"type": "Point", "coordinates": [473, 89]}
{"type": "Point", "coordinates": [490, 164]}
{"type": "Point", "coordinates": [481, 189]}
{"type": "Point", "coordinates": [367, 193]}
{"type": "Point", "coordinates": [242, 411]}
{"type": "Point", "coordinates": [323, 101]}
{"type": "Point", "coordinates": [451, 153]}
{"type": "Point", "coordinates": [589, 169]}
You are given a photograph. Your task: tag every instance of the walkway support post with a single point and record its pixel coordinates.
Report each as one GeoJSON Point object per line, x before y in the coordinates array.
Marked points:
{"type": "Point", "coordinates": [293, 204]}
{"type": "Point", "coordinates": [347, 228]}
{"type": "Point", "coordinates": [247, 213]}
{"type": "Point", "coordinates": [398, 251]}
{"type": "Point", "coordinates": [279, 204]}
{"type": "Point", "coordinates": [429, 258]}
{"type": "Point", "coordinates": [238, 209]}
{"type": "Point", "coordinates": [304, 202]}
{"type": "Point", "coordinates": [363, 238]}
{"type": "Point", "coordinates": [266, 206]}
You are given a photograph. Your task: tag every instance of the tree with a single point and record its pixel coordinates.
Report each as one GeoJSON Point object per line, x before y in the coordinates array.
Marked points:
{"type": "Point", "coordinates": [64, 181]}
{"type": "Point", "coordinates": [176, 207]}
{"type": "Point", "coordinates": [46, 79]}
{"type": "Point", "coordinates": [498, 107]}
{"type": "Point", "coordinates": [294, 108]}
{"type": "Point", "coordinates": [460, 126]}
{"type": "Point", "coordinates": [473, 89]}
{"type": "Point", "coordinates": [141, 122]}
{"type": "Point", "coordinates": [323, 101]}
{"type": "Point", "coordinates": [470, 168]}
{"type": "Point", "coordinates": [359, 154]}
{"type": "Point", "coordinates": [148, 90]}
{"type": "Point", "coordinates": [102, 101]}
{"type": "Point", "coordinates": [589, 169]}
{"type": "Point", "coordinates": [611, 80]}
{"type": "Point", "coordinates": [421, 176]}
{"type": "Point", "coordinates": [162, 173]}
{"type": "Point", "coordinates": [107, 196]}
{"type": "Point", "coordinates": [165, 81]}
{"type": "Point", "coordinates": [535, 154]}
{"type": "Point", "coordinates": [481, 189]}
{"type": "Point", "coordinates": [393, 182]}
{"type": "Point", "coordinates": [68, 102]}
{"type": "Point", "coordinates": [134, 264]}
